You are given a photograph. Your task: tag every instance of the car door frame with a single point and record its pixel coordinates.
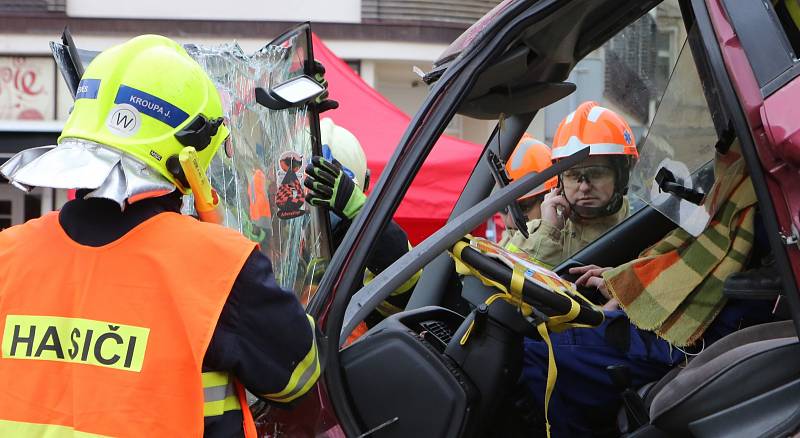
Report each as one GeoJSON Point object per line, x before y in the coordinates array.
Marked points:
{"type": "Point", "coordinates": [346, 269]}
{"type": "Point", "coordinates": [741, 97]}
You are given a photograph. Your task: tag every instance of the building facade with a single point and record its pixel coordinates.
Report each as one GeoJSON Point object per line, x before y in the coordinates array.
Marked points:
{"type": "Point", "coordinates": [383, 40]}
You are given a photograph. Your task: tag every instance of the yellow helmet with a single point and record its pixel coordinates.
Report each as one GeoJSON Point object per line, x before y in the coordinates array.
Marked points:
{"type": "Point", "coordinates": [346, 149]}
{"type": "Point", "coordinates": [149, 99]}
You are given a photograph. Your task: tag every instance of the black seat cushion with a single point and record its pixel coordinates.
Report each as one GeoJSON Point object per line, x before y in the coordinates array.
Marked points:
{"type": "Point", "coordinates": [736, 368]}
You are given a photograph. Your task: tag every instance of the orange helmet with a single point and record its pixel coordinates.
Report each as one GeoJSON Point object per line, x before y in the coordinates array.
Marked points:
{"type": "Point", "coordinates": [606, 133]}
{"type": "Point", "coordinates": [603, 130]}
{"type": "Point", "coordinates": [529, 156]}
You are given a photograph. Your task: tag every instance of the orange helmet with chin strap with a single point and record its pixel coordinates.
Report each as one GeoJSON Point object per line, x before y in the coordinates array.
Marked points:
{"type": "Point", "coordinates": [606, 133]}
{"type": "Point", "coordinates": [530, 156]}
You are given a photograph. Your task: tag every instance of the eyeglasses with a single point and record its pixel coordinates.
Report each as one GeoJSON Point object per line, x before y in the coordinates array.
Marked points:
{"type": "Point", "coordinates": [590, 174]}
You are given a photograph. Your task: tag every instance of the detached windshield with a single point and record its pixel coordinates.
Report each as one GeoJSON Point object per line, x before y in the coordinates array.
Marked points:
{"type": "Point", "coordinates": [620, 86]}
{"type": "Point", "coordinates": [679, 147]}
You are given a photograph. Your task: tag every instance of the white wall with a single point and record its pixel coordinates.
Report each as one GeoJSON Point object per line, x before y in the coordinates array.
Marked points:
{"type": "Point", "coordinates": [32, 44]}
{"type": "Point", "coordinates": [397, 82]}
{"type": "Point", "coordinates": [342, 11]}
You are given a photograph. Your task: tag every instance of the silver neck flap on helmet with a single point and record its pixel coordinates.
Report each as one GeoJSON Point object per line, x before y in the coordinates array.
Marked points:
{"type": "Point", "coordinates": [82, 164]}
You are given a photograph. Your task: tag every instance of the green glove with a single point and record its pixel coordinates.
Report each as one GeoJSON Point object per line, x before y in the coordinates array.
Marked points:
{"type": "Point", "coordinates": [322, 101]}
{"type": "Point", "coordinates": [331, 188]}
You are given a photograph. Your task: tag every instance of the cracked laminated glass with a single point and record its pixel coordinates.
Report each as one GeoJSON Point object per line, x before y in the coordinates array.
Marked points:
{"type": "Point", "coordinates": [258, 173]}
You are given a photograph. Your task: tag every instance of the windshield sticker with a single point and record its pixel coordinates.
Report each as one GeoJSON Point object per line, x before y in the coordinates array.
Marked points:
{"type": "Point", "coordinates": [290, 197]}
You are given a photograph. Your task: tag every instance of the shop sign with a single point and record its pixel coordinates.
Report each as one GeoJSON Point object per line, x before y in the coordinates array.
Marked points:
{"type": "Point", "coordinates": [27, 88]}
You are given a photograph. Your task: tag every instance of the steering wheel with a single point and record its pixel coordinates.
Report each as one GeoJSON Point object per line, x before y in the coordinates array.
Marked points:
{"type": "Point", "coordinates": [544, 300]}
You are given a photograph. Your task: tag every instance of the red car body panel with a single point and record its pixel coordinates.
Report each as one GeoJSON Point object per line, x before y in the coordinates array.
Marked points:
{"type": "Point", "coordinates": [312, 417]}
{"type": "Point", "coordinates": [775, 126]}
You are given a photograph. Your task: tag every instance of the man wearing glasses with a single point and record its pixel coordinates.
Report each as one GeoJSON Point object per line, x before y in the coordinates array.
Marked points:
{"type": "Point", "coordinates": [590, 198]}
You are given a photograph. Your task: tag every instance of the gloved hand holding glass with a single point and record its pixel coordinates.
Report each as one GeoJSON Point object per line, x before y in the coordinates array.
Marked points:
{"type": "Point", "coordinates": [331, 187]}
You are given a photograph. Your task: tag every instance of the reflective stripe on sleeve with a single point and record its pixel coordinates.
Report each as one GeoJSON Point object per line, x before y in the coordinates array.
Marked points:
{"type": "Point", "coordinates": [403, 288]}
{"type": "Point", "coordinates": [304, 376]}
{"type": "Point", "coordinates": [219, 394]}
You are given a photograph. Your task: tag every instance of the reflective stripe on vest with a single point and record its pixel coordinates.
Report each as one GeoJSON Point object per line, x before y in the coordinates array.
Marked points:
{"type": "Point", "coordinates": [22, 429]}
{"type": "Point", "coordinates": [110, 340]}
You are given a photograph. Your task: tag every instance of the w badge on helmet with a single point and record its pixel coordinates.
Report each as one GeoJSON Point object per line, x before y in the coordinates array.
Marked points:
{"type": "Point", "coordinates": [290, 197]}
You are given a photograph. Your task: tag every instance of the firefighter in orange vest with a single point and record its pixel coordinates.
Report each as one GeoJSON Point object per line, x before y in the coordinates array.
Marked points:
{"type": "Point", "coordinates": [120, 316]}
{"type": "Point", "coordinates": [530, 156]}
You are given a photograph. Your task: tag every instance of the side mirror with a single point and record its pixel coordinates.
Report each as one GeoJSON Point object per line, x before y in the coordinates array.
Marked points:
{"type": "Point", "coordinates": [295, 92]}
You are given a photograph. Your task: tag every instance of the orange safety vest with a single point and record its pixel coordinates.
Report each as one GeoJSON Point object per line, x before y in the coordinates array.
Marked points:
{"type": "Point", "coordinates": [110, 340]}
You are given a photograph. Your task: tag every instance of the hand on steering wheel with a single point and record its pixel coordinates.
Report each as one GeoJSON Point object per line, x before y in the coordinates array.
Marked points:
{"type": "Point", "coordinates": [592, 276]}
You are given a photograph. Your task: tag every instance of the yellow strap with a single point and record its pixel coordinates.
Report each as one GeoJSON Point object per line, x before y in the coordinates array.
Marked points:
{"type": "Point", "coordinates": [552, 373]}
{"type": "Point", "coordinates": [464, 338]}
{"type": "Point", "coordinates": [560, 322]}
{"type": "Point", "coordinates": [465, 269]}
{"type": "Point", "coordinates": [517, 282]}
{"type": "Point", "coordinates": [488, 302]}
{"type": "Point", "coordinates": [793, 6]}
{"type": "Point", "coordinates": [514, 296]}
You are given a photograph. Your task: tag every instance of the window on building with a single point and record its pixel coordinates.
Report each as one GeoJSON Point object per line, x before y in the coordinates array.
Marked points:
{"type": "Point", "coordinates": [628, 74]}
{"type": "Point", "coordinates": [665, 54]}
{"type": "Point", "coordinates": [17, 6]}
{"type": "Point", "coordinates": [355, 64]}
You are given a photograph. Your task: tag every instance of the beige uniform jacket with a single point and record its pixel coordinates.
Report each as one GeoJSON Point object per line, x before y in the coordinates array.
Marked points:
{"type": "Point", "coordinates": [551, 246]}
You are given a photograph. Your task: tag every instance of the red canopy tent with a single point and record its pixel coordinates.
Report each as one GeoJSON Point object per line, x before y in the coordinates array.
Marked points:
{"type": "Point", "coordinates": [379, 125]}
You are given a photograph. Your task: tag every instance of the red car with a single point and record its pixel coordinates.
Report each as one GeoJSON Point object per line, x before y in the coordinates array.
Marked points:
{"type": "Point", "coordinates": [691, 75]}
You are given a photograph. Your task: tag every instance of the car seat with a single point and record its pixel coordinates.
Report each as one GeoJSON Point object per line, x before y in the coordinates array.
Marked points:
{"type": "Point", "coordinates": [746, 384]}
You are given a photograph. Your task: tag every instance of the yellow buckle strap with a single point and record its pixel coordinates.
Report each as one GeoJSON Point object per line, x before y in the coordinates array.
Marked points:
{"type": "Point", "coordinates": [517, 280]}
{"type": "Point", "coordinates": [513, 294]}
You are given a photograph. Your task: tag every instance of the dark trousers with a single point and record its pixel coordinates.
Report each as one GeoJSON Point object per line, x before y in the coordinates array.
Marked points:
{"type": "Point", "coordinates": [584, 401]}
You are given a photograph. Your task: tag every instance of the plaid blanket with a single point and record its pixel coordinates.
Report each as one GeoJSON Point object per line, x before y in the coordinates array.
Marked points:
{"type": "Point", "coordinates": [675, 287]}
